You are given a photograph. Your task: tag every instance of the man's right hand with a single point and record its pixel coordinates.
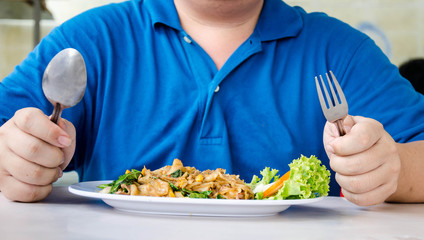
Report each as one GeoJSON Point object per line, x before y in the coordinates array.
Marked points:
{"type": "Point", "coordinates": [33, 153]}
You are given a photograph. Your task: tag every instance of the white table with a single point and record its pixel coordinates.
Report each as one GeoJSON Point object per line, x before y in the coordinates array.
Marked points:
{"type": "Point", "coordinates": [66, 216]}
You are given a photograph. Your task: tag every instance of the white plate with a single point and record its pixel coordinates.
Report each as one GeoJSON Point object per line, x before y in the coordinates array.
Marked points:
{"type": "Point", "coordinates": [186, 206]}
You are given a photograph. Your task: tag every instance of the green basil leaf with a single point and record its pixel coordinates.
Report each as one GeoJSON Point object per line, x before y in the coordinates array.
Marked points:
{"type": "Point", "coordinates": [204, 194]}
{"type": "Point", "coordinates": [176, 174]}
{"type": "Point", "coordinates": [128, 178]}
{"type": "Point", "coordinates": [173, 187]}
{"type": "Point", "coordinates": [219, 196]}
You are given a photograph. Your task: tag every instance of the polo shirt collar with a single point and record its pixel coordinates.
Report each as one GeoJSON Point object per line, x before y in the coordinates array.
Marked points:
{"type": "Point", "coordinates": [277, 20]}
{"type": "Point", "coordinates": [163, 12]}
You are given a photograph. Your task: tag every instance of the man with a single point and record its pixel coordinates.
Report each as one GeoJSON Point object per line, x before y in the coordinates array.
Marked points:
{"type": "Point", "coordinates": [225, 84]}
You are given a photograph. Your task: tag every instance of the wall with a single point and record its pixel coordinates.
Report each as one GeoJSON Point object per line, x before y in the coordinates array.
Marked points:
{"type": "Point", "coordinates": [16, 41]}
{"type": "Point", "coordinates": [397, 26]}
{"type": "Point", "coordinates": [16, 35]}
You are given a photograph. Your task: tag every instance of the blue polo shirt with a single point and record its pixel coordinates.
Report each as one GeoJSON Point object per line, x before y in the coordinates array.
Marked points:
{"type": "Point", "coordinates": [153, 93]}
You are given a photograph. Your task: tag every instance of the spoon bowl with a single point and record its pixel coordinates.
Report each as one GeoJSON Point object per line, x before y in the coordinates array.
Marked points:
{"type": "Point", "coordinates": [64, 81]}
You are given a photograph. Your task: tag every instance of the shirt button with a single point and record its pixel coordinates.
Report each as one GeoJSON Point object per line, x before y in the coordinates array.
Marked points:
{"type": "Point", "coordinates": [187, 39]}
{"type": "Point", "coordinates": [217, 89]}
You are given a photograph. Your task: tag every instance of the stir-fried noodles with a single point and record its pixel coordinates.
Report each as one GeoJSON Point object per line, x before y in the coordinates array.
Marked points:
{"type": "Point", "coordinates": [180, 181]}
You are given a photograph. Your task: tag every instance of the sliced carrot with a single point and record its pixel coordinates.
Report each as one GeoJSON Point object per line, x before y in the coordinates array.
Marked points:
{"type": "Point", "coordinates": [277, 185]}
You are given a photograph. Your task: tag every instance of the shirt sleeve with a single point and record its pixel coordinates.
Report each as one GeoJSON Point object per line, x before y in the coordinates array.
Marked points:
{"type": "Point", "coordinates": [374, 88]}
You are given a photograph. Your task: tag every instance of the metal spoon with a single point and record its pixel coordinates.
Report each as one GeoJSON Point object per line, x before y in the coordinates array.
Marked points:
{"type": "Point", "coordinates": [64, 81]}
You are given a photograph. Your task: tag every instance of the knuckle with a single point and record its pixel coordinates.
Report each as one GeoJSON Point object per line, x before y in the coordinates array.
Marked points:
{"type": "Point", "coordinates": [37, 172]}
{"type": "Point", "coordinates": [35, 193]}
{"type": "Point", "coordinates": [358, 200]}
{"type": "Point", "coordinates": [393, 187]}
{"type": "Point", "coordinates": [362, 199]}
{"type": "Point", "coordinates": [53, 176]}
{"type": "Point", "coordinates": [52, 159]}
{"type": "Point", "coordinates": [354, 199]}
{"type": "Point", "coordinates": [355, 185]}
{"type": "Point", "coordinates": [379, 125]}
{"type": "Point", "coordinates": [52, 133]}
{"type": "Point", "coordinates": [395, 168]}
{"type": "Point", "coordinates": [56, 158]}
{"type": "Point", "coordinates": [32, 194]}
{"type": "Point", "coordinates": [25, 118]}
{"type": "Point", "coordinates": [393, 149]}
{"type": "Point", "coordinates": [352, 166]}
{"type": "Point", "coordinates": [364, 139]}
{"type": "Point", "coordinates": [374, 124]}
{"type": "Point", "coordinates": [333, 164]}
{"type": "Point", "coordinates": [34, 147]}
{"type": "Point", "coordinates": [44, 176]}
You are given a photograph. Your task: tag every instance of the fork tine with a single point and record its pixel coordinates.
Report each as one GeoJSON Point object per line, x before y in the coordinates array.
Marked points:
{"type": "Point", "coordinates": [337, 108]}
{"type": "Point", "coordinates": [338, 88]}
{"type": "Point", "coordinates": [320, 96]}
{"type": "Point", "coordinates": [327, 96]}
{"type": "Point", "coordinates": [333, 93]}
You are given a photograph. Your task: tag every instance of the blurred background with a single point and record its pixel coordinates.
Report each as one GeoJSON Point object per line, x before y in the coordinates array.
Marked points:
{"type": "Point", "coordinates": [24, 22]}
{"type": "Point", "coordinates": [397, 26]}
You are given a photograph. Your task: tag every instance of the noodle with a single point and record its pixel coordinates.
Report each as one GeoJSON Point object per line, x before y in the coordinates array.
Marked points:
{"type": "Point", "coordinates": [179, 181]}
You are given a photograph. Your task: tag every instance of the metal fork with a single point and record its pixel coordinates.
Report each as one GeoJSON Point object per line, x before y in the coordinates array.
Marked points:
{"type": "Point", "coordinates": [337, 108]}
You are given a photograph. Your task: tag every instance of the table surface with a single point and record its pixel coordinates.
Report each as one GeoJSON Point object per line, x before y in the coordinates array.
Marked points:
{"type": "Point", "coordinates": [63, 215]}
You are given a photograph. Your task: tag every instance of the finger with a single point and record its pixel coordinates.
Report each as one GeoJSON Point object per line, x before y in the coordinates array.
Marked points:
{"type": "Point", "coordinates": [15, 190]}
{"type": "Point", "coordinates": [348, 123]}
{"type": "Point", "coordinates": [33, 149]}
{"type": "Point", "coordinates": [360, 163]}
{"type": "Point", "coordinates": [33, 121]}
{"type": "Point", "coordinates": [29, 172]}
{"type": "Point", "coordinates": [331, 132]}
{"type": "Point", "coordinates": [376, 196]}
{"type": "Point", "coordinates": [70, 150]}
{"type": "Point", "coordinates": [369, 181]}
{"type": "Point", "coordinates": [384, 151]}
{"type": "Point", "coordinates": [362, 136]}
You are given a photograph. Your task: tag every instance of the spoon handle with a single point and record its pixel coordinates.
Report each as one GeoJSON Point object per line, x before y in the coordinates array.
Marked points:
{"type": "Point", "coordinates": [57, 111]}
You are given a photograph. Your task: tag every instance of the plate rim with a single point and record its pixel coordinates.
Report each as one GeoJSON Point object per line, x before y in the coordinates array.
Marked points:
{"type": "Point", "coordinates": [77, 189]}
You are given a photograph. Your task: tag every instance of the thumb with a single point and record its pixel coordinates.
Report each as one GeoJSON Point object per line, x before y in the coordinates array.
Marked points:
{"type": "Point", "coordinates": [68, 151]}
{"type": "Point", "coordinates": [331, 133]}
{"type": "Point", "coordinates": [348, 123]}
{"type": "Point", "coordinates": [330, 129]}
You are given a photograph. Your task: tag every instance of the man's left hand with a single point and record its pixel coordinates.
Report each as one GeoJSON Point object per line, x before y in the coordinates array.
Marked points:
{"type": "Point", "coordinates": [366, 160]}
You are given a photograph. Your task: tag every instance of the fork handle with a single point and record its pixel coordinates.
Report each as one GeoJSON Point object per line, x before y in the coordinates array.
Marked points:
{"type": "Point", "coordinates": [342, 131]}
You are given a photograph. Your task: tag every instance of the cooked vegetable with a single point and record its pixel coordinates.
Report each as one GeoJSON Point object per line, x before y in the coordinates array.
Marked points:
{"type": "Point", "coordinates": [127, 178]}
{"type": "Point", "coordinates": [307, 178]}
{"type": "Point", "coordinates": [176, 174]}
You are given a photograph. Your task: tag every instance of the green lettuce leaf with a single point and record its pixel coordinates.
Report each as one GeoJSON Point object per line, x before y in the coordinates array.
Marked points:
{"type": "Point", "coordinates": [259, 185]}
{"type": "Point", "coordinates": [308, 179]}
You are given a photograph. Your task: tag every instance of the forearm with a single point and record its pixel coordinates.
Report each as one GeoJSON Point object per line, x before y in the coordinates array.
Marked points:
{"type": "Point", "coordinates": [411, 179]}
